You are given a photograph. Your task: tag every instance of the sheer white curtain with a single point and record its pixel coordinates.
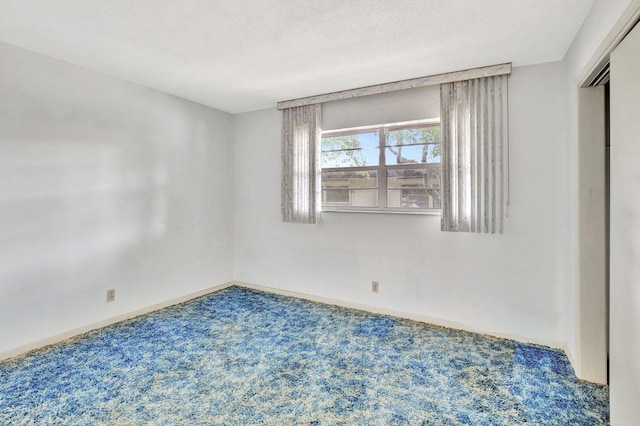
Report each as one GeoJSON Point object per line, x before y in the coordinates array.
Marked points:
{"type": "Point", "coordinates": [475, 154]}
{"type": "Point", "coordinates": [301, 163]}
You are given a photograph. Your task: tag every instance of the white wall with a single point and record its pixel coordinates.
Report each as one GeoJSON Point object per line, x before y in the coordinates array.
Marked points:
{"type": "Point", "coordinates": [393, 107]}
{"type": "Point", "coordinates": [508, 284]}
{"type": "Point", "coordinates": [597, 25]}
{"type": "Point", "coordinates": [103, 184]}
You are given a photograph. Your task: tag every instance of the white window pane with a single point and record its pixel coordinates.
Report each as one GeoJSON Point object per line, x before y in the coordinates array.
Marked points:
{"type": "Point", "coordinates": [367, 139]}
{"type": "Point", "coordinates": [350, 179]}
{"type": "Point", "coordinates": [414, 136]}
{"type": "Point", "coordinates": [412, 173]}
{"type": "Point", "coordinates": [336, 197]}
{"type": "Point", "coordinates": [414, 198]}
{"type": "Point", "coordinates": [351, 158]}
{"type": "Point", "coordinates": [413, 154]}
{"type": "Point", "coordinates": [413, 178]}
{"type": "Point", "coordinates": [350, 197]}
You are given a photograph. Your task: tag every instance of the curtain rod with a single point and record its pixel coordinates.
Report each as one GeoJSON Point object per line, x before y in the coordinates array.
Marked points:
{"type": "Point", "coordinates": [395, 86]}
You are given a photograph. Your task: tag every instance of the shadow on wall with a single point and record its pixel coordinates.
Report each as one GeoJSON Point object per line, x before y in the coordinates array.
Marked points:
{"type": "Point", "coordinates": [74, 205]}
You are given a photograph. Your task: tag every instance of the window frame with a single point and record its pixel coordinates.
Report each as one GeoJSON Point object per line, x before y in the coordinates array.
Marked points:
{"type": "Point", "coordinates": [382, 167]}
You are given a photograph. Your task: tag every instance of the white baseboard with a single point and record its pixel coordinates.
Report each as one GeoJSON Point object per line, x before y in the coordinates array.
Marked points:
{"type": "Point", "coordinates": [319, 299]}
{"type": "Point", "coordinates": [573, 360]}
{"type": "Point", "coordinates": [400, 314]}
{"type": "Point", "coordinates": [11, 353]}
{"type": "Point", "coordinates": [598, 376]}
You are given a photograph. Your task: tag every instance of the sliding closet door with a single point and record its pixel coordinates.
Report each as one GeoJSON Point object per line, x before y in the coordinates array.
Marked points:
{"type": "Point", "coordinates": [625, 232]}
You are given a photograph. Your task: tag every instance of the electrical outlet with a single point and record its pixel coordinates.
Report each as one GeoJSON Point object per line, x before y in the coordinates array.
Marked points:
{"type": "Point", "coordinates": [374, 286]}
{"type": "Point", "coordinates": [111, 295]}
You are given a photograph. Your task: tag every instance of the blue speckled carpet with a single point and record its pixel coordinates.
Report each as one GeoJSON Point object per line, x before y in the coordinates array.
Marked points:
{"type": "Point", "coordinates": [241, 357]}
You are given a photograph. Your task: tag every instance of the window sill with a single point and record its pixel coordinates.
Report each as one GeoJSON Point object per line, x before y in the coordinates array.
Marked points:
{"type": "Point", "coordinates": [400, 212]}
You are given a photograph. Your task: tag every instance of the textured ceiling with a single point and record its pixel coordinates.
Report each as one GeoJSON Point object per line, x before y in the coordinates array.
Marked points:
{"type": "Point", "coordinates": [242, 55]}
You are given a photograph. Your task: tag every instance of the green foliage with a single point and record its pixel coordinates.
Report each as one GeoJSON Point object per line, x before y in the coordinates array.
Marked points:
{"type": "Point", "coordinates": [350, 158]}
{"type": "Point", "coordinates": [343, 151]}
{"type": "Point", "coordinates": [430, 136]}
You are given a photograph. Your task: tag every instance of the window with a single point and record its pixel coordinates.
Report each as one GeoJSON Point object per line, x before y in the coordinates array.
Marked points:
{"type": "Point", "coordinates": [391, 167]}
